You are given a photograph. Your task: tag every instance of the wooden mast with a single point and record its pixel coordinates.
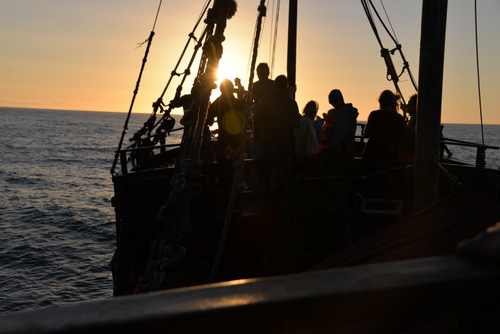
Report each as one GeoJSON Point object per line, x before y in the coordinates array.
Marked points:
{"type": "Point", "coordinates": [428, 128]}
{"type": "Point", "coordinates": [292, 46]}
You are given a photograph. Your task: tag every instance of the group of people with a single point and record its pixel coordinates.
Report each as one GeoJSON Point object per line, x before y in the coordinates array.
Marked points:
{"type": "Point", "coordinates": [317, 144]}
{"type": "Point", "coordinates": [390, 136]}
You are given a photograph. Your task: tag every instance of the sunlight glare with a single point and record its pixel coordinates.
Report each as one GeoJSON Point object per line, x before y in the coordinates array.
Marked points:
{"type": "Point", "coordinates": [227, 70]}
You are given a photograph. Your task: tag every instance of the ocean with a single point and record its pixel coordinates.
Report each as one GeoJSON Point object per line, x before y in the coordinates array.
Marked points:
{"type": "Point", "coordinates": [56, 220]}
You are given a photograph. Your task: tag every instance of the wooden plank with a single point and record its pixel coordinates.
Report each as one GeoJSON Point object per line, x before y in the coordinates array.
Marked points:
{"type": "Point", "coordinates": [307, 302]}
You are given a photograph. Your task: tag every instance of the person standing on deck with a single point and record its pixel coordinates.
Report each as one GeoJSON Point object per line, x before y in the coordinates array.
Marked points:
{"type": "Point", "coordinates": [261, 87]}
{"type": "Point", "coordinates": [306, 143]}
{"type": "Point", "coordinates": [318, 125]}
{"type": "Point", "coordinates": [277, 115]}
{"type": "Point", "coordinates": [338, 139]}
{"type": "Point", "coordinates": [411, 109]}
{"type": "Point", "coordinates": [230, 119]}
{"type": "Point", "coordinates": [386, 130]}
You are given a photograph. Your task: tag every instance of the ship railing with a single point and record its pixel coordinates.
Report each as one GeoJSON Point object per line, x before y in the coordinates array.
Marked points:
{"type": "Point", "coordinates": [445, 142]}
{"type": "Point", "coordinates": [144, 148]}
{"type": "Point", "coordinates": [424, 293]}
{"type": "Point", "coordinates": [480, 149]}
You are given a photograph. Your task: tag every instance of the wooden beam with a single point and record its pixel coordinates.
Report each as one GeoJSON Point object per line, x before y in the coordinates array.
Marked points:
{"type": "Point", "coordinates": [428, 128]}
{"type": "Point", "coordinates": [329, 300]}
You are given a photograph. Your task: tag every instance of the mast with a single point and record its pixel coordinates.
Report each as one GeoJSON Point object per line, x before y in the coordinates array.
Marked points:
{"type": "Point", "coordinates": [428, 128]}
{"type": "Point", "coordinates": [292, 46]}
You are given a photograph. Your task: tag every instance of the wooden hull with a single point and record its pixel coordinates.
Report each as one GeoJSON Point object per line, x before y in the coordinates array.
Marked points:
{"type": "Point", "coordinates": [290, 226]}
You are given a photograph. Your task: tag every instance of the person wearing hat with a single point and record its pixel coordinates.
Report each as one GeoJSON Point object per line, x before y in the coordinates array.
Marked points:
{"type": "Point", "coordinates": [386, 130]}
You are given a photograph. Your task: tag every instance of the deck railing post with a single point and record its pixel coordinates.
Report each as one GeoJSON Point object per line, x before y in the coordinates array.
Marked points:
{"type": "Point", "coordinates": [123, 162]}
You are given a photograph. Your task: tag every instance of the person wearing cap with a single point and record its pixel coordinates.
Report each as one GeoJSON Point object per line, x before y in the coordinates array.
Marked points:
{"type": "Point", "coordinates": [386, 130]}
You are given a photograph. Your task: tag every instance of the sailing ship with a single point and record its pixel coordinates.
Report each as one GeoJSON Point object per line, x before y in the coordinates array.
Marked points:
{"type": "Point", "coordinates": [395, 247]}
{"type": "Point", "coordinates": [176, 228]}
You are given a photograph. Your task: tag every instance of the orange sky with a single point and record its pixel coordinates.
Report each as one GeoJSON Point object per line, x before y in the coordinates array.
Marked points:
{"type": "Point", "coordinates": [82, 54]}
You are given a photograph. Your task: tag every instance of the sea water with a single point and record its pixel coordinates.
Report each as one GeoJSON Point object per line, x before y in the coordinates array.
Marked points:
{"type": "Point", "coordinates": [56, 220]}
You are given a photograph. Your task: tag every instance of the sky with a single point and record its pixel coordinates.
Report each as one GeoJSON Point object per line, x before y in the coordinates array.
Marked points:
{"type": "Point", "coordinates": [84, 54]}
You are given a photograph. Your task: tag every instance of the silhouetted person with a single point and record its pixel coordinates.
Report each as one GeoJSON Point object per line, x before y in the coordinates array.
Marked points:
{"type": "Point", "coordinates": [229, 113]}
{"type": "Point", "coordinates": [264, 85]}
{"type": "Point", "coordinates": [339, 131]}
{"type": "Point", "coordinates": [306, 143]}
{"type": "Point", "coordinates": [261, 87]}
{"type": "Point", "coordinates": [409, 147]}
{"type": "Point", "coordinates": [411, 109]}
{"type": "Point", "coordinates": [318, 124]}
{"type": "Point", "coordinates": [189, 120]}
{"type": "Point", "coordinates": [277, 114]}
{"type": "Point", "coordinates": [239, 89]}
{"type": "Point", "coordinates": [386, 130]}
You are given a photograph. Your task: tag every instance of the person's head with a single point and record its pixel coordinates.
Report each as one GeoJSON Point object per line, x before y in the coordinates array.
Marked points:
{"type": "Point", "coordinates": [262, 70]}
{"type": "Point", "coordinates": [281, 82]}
{"type": "Point", "coordinates": [411, 107]}
{"type": "Point", "coordinates": [335, 98]}
{"type": "Point", "coordinates": [388, 99]}
{"type": "Point", "coordinates": [311, 109]}
{"type": "Point", "coordinates": [226, 87]}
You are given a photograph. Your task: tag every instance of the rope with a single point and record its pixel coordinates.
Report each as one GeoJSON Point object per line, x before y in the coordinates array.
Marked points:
{"type": "Point", "coordinates": [157, 13]}
{"type": "Point", "coordinates": [275, 37]}
{"type": "Point", "coordinates": [164, 268]}
{"type": "Point", "coordinates": [186, 72]}
{"type": "Point", "coordinates": [272, 6]}
{"type": "Point", "coordinates": [136, 90]}
{"type": "Point", "coordinates": [372, 22]}
{"type": "Point", "coordinates": [477, 69]}
{"type": "Point", "coordinates": [191, 36]}
{"type": "Point", "coordinates": [257, 35]}
{"type": "Point", "coordinates": [398, 46]}
{"type": "Point", "coordinates": [453, 181]}
{"type": "Point", "coordinates": [237, 182]}
{"type": "Point", "coordinates": [239, 164]}
{"type": "Point", "coordinates": [386, 54]}
{"type": "Point", "coordinates": [168, 254]}
{"type": "Point", "coordinates": [388, 20]}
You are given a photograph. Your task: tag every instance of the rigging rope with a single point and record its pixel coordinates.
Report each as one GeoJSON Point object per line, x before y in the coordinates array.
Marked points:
{"type": "Point", "coordinates": [477, 69]}
{"type": "Point", "coordinates": [191, 36]}
{"type": "Point", "coordinates": [151, 124]}
{"type": "Point", "coordinates": [157, 13]}
{"type": "Point", "coordinates": [275, 37]}
{"type": "Point", "coordinates": [384, 52]}
{"type": "Point", "coordinates": [272, 6]}
{"type": "Point", "coordinates": [239, 164]}
{"type": "Point", "coordinates": [406, 65]}
{"type": "Point", "coordinates": [186, 72]}
{"type": "Point", "coordinates": [136, 90]}
{"type": "Point", "coordinates": [164, 268]}
{"type": "Point", "coordinates": [389, 20]}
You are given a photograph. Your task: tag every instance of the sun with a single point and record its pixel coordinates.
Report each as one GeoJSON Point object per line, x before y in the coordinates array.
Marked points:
{"type": "Point", "coordinates": [231, 70]}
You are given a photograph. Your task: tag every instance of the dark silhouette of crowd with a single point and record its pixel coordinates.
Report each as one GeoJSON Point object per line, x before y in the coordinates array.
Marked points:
{"type": "Point", "coordinates": [314, 145]}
